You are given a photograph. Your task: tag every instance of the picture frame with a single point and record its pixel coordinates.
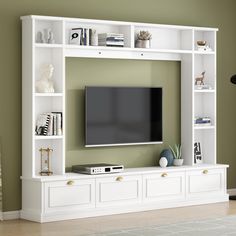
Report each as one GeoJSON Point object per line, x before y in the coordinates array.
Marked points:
{"type": "Point", "coordinates": [75, 36]}
{"type": "Point", "coordinates": [197, 153]}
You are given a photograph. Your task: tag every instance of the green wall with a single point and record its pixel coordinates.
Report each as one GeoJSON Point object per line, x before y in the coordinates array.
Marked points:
{"type": "Point", "coordinates": [98, 72]}
{"type": "Point", "coordinates": [213, 13]}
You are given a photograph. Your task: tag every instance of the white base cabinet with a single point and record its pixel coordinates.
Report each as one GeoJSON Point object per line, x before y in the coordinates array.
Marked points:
{"type": "Point", "coordinates": [74, 196]}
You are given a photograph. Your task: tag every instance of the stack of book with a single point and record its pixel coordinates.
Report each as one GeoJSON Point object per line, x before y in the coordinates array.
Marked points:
{"type": "Point", "coordinates": [80, 36]}
{"type": "Point", "coordinates": [202, 121]}
{"type": "Point", "coordinates": [49, 124]}
{"type": "Point", "coordinates": [111, 39]}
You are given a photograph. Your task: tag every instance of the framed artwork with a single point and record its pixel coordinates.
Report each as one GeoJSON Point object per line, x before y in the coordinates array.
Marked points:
{"type": "Point", "coordinates": [197, 153]}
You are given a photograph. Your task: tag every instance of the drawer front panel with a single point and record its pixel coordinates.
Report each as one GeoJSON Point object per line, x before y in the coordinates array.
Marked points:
{"type": "Point", "coordinates": [118, 190]}
{"type": "Point", "coordinates": [205, 182]}
{"type": "Point", "coordinates": [69, 194]}
{"type": "Point", "coordinates": [164, 186]}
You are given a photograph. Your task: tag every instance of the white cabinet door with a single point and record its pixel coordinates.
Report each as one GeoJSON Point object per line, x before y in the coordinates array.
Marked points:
{"type": "Point", "coordinates": [163, 186]}
{"type": "Point", "coordinates": [118, 190]}
{"type": "Point", "coordinates": [205, 182]}
{"type": "Point", "coordinates": [69, 195]}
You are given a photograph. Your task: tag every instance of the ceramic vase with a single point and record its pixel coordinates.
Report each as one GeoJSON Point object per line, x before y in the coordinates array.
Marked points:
{"type": "Point", "coordinates": [178, 162]}
{"type": "Point", "coordinates": [163, 162]}
{"type": "Point", "coordinates": [167, 153]}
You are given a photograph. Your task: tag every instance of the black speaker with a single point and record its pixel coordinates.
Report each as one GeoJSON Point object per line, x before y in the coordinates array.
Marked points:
{"type": "Point", "coordinates": [233, 79]}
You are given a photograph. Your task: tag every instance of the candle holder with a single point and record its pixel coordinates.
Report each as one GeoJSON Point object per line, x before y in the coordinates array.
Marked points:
{"type": "Point", "coordinates": [45, 161]}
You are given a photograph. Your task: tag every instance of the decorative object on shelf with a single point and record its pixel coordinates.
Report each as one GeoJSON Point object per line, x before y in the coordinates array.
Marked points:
{"type": "Point", "coordinates": [49, 124]}
{"type": "Point", "coordinates": [51, 39]}
{"type": "Point", "coordinates": [202, 46]}
{"type": "Point", "coordinates": [202, 121]}
{"type": "Point", "coordinates": [45, 161]}
{"type": "Point", "coordinates": [143, 39]}
{"type": "Point", "coordinates": [48, 36]}
{"type": "Point", "coordinates": [177, 152]}
{"type": "Point", "coordinates": [111, 39]}
{"type": "Point", "coordinates": [197, 153]}
{"type": "Point", "coordinates": [39, 37]}
{"type": "Point", "coordinates": [94, 38]}
{"type": "Point", "coordinates": [163, 162]}
{"type": "Point", "coordinates": [200, 80]}
{"type": "Point", "coordinates": [81, 36]}
{"type": "Point", "coordinates": [75, 36]}
{"type": "Point", "coordinates": [168, 155]}
{"type": "Point", "coordinates": [45, 84]}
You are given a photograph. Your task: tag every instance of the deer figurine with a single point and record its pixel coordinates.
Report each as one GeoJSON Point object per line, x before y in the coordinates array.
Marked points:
{"type": "Point", "coordinates": [200, 78]}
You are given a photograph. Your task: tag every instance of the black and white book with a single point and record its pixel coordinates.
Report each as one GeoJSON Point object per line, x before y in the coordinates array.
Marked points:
{"type": "Point", "coordinates": [49, 124]}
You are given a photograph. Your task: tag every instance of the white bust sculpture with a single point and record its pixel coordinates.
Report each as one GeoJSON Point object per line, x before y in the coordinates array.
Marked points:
{"type": "Point", "coordinates": [45, 83]}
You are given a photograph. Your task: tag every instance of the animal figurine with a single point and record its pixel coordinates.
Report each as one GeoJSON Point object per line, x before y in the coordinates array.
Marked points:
{"type": "Point", "coordinates": [200, 79]}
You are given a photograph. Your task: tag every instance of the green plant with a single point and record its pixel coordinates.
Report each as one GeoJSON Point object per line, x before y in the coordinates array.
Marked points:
{"type": "Point", "coordinates": [144, 35]}
{"type": "Point", "coordinates": [177, 152]}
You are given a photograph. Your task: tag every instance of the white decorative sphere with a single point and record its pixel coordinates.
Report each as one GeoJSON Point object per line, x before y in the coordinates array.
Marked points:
{"type": "Point", "coordinates": [163, 162]}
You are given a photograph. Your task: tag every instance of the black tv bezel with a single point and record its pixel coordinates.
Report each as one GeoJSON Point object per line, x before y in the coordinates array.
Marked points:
{"type": "Point", "coordinates": [121, 144]}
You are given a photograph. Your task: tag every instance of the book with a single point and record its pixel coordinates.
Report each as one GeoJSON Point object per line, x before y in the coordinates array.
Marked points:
{"type": "Point", "coordinates": [49, 124]}
{"type": "Point", "coordinates": [75, 36]}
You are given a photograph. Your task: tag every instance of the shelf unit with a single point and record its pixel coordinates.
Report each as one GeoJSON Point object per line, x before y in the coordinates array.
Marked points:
{"type": "Point", "coordinates": [169, 42]}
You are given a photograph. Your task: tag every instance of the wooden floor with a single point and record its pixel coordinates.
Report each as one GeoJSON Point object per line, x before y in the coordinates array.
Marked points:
{"type": "Point", "coordinates": [116, 222]}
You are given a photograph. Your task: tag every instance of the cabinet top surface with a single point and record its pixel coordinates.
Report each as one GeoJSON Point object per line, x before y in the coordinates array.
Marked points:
{"type": "Point", "coordinates": [97, 21]}
{"type": "Point", "coordinates": [127, 171]}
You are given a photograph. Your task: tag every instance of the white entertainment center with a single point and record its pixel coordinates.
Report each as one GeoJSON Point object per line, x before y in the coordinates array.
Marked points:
{"type": "Point", "coordinates": [69, 195]}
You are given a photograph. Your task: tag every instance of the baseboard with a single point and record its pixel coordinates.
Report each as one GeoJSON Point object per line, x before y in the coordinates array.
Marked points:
{"type": "Point", "coordinates": [231, 191]}
{"type": "Point", "coordinates": [11, 215]}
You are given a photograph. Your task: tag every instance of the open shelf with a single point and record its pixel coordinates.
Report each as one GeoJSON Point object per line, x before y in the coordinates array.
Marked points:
{"type": "Point", "coordinates": [47, 137]}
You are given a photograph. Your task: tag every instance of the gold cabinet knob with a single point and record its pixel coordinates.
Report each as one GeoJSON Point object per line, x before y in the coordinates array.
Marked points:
{"type": "Point", "coordinates": [164, 174]}
{"type": "Point", "coordinates": [205, 172]}
{"type": "Point", "coordinates": [70, 182]}
{"type": "Point", "coordinates": [119, 178]}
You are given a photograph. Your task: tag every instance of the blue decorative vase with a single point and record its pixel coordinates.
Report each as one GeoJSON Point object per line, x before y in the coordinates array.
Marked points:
{"type": "Point", "coordinates": [167, 153]}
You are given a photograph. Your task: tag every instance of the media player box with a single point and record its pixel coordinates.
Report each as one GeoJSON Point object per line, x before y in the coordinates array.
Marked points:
{"type": "Point", "coordinates": [94, 169]}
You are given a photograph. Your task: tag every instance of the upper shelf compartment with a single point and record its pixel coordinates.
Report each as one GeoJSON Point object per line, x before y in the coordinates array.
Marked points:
{"type": "Point", "coordinates": [48, 32]}
{"type": "Point", "coordinates": [97, 33]}
{"type": "Point", "coordinates": [204, 41]}
{"type": "Point", "coordinates": [165, 38]}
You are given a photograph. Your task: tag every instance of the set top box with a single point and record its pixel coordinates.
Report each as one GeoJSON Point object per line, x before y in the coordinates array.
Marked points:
{"type": "Point", "coordinates": [94, 169]}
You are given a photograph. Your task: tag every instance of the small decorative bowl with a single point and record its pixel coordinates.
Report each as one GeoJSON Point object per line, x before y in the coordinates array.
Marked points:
{"type": "Point", "coordinates": [201, 43]}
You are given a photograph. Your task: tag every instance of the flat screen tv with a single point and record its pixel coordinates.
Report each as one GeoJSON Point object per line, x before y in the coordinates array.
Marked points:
{"type": "Point", "coordinates": [122, 116]}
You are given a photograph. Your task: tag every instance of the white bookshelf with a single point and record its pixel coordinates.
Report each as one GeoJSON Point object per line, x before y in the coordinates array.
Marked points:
{"type": "Point", "coordinates": [169, 42]}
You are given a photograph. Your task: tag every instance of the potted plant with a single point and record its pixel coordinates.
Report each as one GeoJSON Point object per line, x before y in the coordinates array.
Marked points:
{"type": "Point", "coordinates": [143, 39]}
{"type": "Point", "coordinates": [178, 160]}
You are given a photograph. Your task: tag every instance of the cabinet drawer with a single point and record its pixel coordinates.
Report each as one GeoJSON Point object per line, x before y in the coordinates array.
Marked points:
{"type": "Point", "coordinates": [118, 190]}
{"type": "Point", "coordinates": [163, 186]}
{"type": "Point", "coordinates": [71, 194]}
{"type": "Point", "coordinates": [204, 181]}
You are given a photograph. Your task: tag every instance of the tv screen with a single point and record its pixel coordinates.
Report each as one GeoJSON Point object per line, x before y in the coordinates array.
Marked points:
{"type": "Point", "coordinates": [123, 116]}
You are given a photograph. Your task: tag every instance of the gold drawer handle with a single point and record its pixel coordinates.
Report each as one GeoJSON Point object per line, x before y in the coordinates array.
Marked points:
{"type": "Point", "coordinates": [70, 182]}
{"type": "Point", "coordinates": [164, 175]}
{"type": "Point", "coordinates": [205, 172]}
{"type": "Point", "coordinates": [119, 178]}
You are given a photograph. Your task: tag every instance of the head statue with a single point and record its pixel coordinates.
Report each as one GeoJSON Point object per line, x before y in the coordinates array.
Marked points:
{"type": "Point", "coordinates": [47, 71]}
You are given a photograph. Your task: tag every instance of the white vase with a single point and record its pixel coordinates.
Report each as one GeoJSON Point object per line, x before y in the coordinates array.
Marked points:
{"type": "Point", "coordinates": [163, 162]}
{"type": "Point", "coordinates": [178, 162]}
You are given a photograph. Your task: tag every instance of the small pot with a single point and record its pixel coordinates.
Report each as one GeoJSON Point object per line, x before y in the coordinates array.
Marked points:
{"type": "Point", "coordinates": [178, 162]}
{"type": "Point", "coordinates": [142, 43]}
